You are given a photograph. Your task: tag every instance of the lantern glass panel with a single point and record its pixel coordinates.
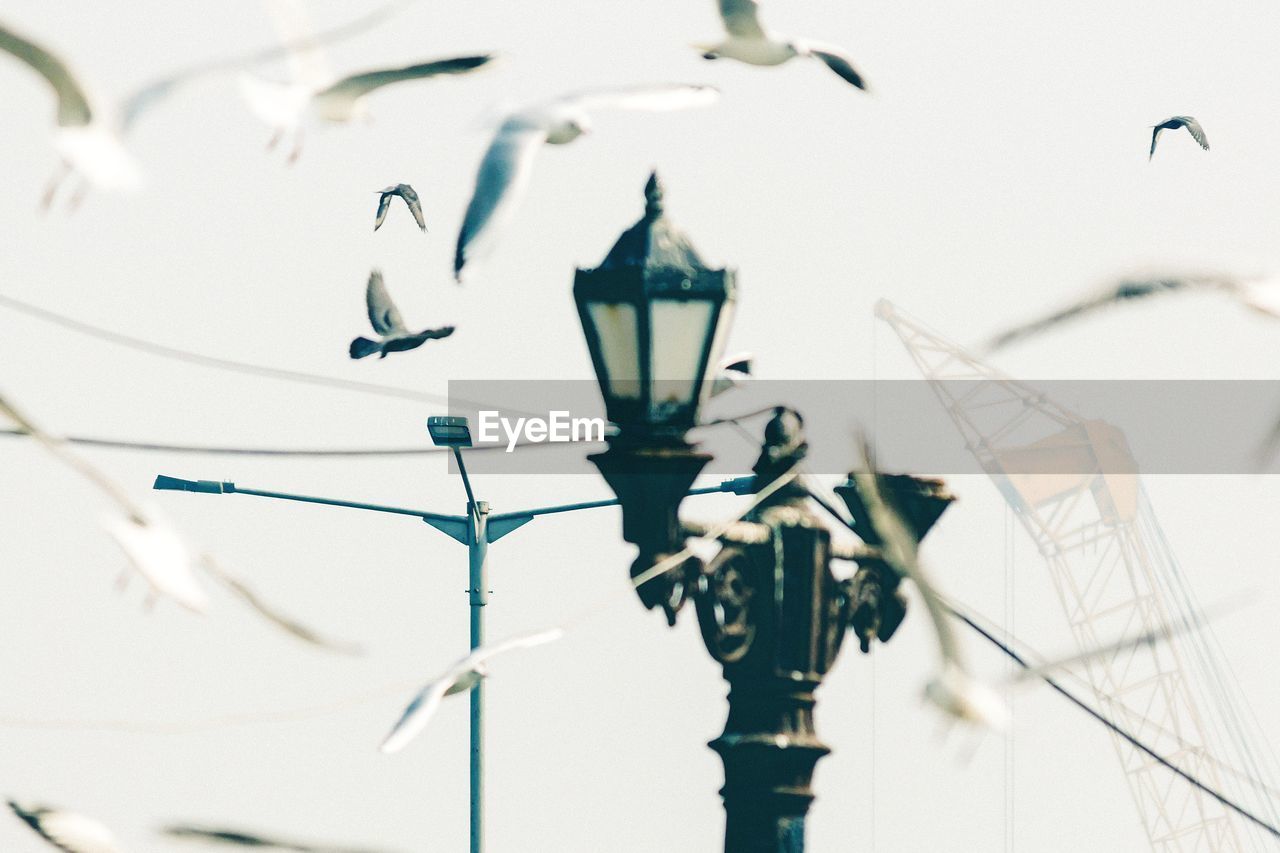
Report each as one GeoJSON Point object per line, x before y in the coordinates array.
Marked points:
{"type": "Point", "coordinates": [619, 335]}
{"type": "Point", "coordinates": [680, 328]}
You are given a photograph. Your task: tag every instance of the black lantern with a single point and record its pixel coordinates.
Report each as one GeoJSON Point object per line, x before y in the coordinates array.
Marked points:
{"type": "Point", "coordinates": [655, 318]}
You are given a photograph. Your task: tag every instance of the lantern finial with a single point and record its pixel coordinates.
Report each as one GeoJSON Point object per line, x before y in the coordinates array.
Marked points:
{"type": "Point", "coordinates": [653, 196]}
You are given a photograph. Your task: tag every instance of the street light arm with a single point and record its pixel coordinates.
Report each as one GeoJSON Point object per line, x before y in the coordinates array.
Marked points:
{"type": "Point", "coordinates": [551, 510]}
{"type": "Point", "coordinates": [165, 483]}
{"type": "Point", "coordinates": [736, 485]}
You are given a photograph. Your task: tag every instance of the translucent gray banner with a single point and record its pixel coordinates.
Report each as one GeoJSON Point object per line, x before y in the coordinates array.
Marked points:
{"type": "Point", "coordinates": [1058, 427]}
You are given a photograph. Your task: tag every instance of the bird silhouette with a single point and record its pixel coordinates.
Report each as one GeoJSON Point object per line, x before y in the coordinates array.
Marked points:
{"type": "Point", "coordinates": [747, 41]}
{"type": "Point", "coordinates": [459, 678]}
{"type": "Point", "coordinates": [89, 134]}
{"type": "Point", "coordinates": [387, 322]}
{"type": "Point", "coordinates": [1259, 294]}
{"type": "Point", "coordinates": [315, 92]}
{"type": "Point", "coordinates": [1193, 127]}
{"type": "Point", "coordinates": [505, 170]}
{"type": "Point", "coordinates": [411, 199]}
{"type": "Point", "coordinates": [67, 831]}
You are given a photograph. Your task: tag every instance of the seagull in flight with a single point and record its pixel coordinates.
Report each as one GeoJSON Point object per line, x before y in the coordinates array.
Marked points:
{"type": "Point", "coordinates": [67, 831]}
{"type": "Point", "coordinates": [411, 199]}
{"type": "Point", "coordinates": [387, 322]}
{"type": "Point", "coordinates": [508, 163]}
{"type": "Point", "coordinates": [459, 678]}
{"type": "Point", "coordinates": [953, 690]}
{"type": "Point", "coordinates": [1193, 127]}
{"type": "Point", "coordinates": [1258, 293]}
{"type": "Point", "coordinates": [747, 41]}
{"type": "Point", "coordinates": [89, 133]}
{"type": "Point", "coordinates": [152, 545]}
{"type": "Point", "coordinates": [315, 92]}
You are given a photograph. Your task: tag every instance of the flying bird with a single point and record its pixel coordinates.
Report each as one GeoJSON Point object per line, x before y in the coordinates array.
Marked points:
{"type": "Point", "coordinates": [246, 839]}
{"type": "Point", "coordinates": [153, 547]}
{"type": "Point", "coordinates": [459, 678]}
{"type": "Point", "coordinates": [315, 92]}
{"type": "Point", "coordinates": [508, 163]}
{"type": "Point", "coordinates": [91, 132]}
{"type": "Point", "coordinates": [387, 322]}
{"type": "Point", "coordinates": [953, 690]}
{"type": "Point", "coordinates": [160, 555]}
{"type": "Point", "coordinates": [747, 41]}
{"type": "Point", "coordinates": [1193, 127]}
{"type": "Point", "coordinates": [88, 136]}
{"type": "Point", "coordinates": [411, 199]}
{"type": "Point", "coordinates": [67, 831]}
{"type": "Point", "coordinates": [1258, 293]}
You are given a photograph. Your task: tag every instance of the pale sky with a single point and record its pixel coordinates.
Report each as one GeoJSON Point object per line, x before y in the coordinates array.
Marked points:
{"type": "Point", "coordinates": [998, 168]}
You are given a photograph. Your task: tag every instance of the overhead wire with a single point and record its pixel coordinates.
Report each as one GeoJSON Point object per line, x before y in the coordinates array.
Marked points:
{"type": "Point", "coordinates": [215, 450]}
{"type": "Point", "coordinates": [1117, 729]}
{"type": "Point", "coordinates": [230, 364]}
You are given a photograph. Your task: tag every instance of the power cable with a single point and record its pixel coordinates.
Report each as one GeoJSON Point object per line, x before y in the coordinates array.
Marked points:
{"type": "Point", "coordinates": [1122, 733]}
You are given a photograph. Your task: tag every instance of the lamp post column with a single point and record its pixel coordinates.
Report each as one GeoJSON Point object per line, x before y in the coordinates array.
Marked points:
{"type": "Point", "coordinates": [774, 615]}
{"type": "Point", "coordinates": [478, 593]}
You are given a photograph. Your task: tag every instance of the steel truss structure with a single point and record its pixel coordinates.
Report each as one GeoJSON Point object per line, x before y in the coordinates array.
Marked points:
{"type": "Point", "coordinates": [1115, 576]}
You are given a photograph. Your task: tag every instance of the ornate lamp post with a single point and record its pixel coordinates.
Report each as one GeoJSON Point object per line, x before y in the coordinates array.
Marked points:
{"type": "Point", "coordinates": [769, 606]}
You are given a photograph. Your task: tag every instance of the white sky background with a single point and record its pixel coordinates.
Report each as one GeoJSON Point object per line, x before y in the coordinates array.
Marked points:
{"type": "Point", "coordinates": [998, 169]}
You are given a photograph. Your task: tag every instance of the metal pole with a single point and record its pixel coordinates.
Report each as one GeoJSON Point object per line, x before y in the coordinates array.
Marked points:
{"type": "Point", "coordinates": [478, 550]}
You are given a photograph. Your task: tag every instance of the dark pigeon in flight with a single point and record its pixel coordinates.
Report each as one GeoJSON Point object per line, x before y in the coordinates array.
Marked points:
{"type": "Point", "coordinates": [388, 323]}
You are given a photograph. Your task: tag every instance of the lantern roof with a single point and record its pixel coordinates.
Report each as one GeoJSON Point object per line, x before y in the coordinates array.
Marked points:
{"type": "Point", "coordinates": [654, 244]}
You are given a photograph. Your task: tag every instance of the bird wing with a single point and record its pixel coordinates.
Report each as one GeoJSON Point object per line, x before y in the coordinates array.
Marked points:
{"type": "Point", "coordinates": [291, 626]}
{"type": "Point", "coordinates": [293, 42]}
{"type": "Point", "coordinates": [418, 338]}
{"type": "Point", "coordinates": [900, 552]}
{"type": "Point", "coordinates": [500, 183]}
{"type": "Point", "coordinates": [68, 831]}
{"type": "Point", "coordinates": [350, 89]}
{"type": "Point", "coordinates": [741, 18]}
{"type": "Point", "coordinates": [250, 839]}
{"type": "Point", "coordinates": [520, 641]}
{"type": "Point", "coordinates": [383, 313]}
{"type": "Point", "coordinates": [1119, 292]}
{"type": "Point", "coordinates": [384, 203]}
{"type": "Point", "coordinates": [73, 103]}
{"type": "Point", "coordinates": [1197, 132]}
{"type": "Point", "coordinates": [422, 708]}
{"type": "Point", "coordinates": [1155, 135]}
{"type": "Point", "coordinates": [415, 205]}
{"type": "Point", "coordinates": [834, 59]}
{"type": "Point", "coordinates": [739, 362]}
{"type": "Point", "coordinates": [655, 98]}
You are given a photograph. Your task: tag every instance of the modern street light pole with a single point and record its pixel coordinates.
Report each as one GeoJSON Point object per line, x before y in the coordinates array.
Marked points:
{"type": "Point", "coordinates": [477, 529]}
{"type": "Point", "coordinates": [771, 610]}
